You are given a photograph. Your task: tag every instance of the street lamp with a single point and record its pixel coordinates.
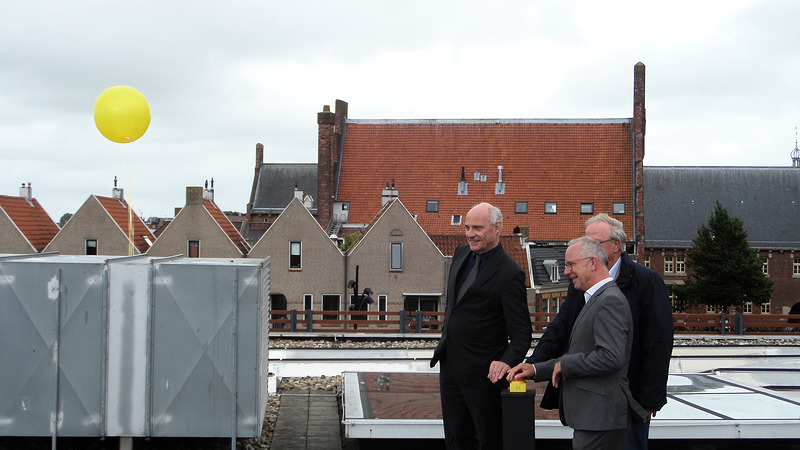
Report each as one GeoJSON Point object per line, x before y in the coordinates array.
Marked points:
{"type": "Point", "coordinates": [359, 301]}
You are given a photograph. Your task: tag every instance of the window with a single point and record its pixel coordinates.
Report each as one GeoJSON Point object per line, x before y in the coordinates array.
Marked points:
{"type": "Point", "coordinates": [766, 308]}
{"type": "Point", "coordinates": [456, 220]}
{"type": "Point", "coordinates": [432, 206]}
{"type": "Point", "coordinates": [91, 246]}
{"type": "Point", "coordinates": [680, 264]}
{"type": "Point", "coordinates": [382, 300]}
{"type": "Point", "coordinates": [587, 208]}
{"type": "Point", "coordinates": [550, 207]}
{"type": "Point", "coordinates": [521, 208]}
{"type": "Point", "coordinates": [765, 265]}
{"type": "Point", "coordinates": [423, 303]}
{"type": "Point", "coordinates": [396, 259]}
{"type": "Point", "coordinates": [711, 309]}
{"type": "Point", "coordinates": [748, 308]}
{"type": "Point", "coordinates": [796, 268]}
{"type": "Point", "coordinates": [647, 261]}
{"type": "Point", "coordinates": [308, 302]}
{"type": "Point", "coordinates": [669, 264]}
{"type": "Point", "coordinates": [295, 255]}
{"type": "Point", "coordinates": [330, 302]}
{"type": "Point", "coordinates": [618, 208]}
{"type": "Point", "coordinates": [194, 248]}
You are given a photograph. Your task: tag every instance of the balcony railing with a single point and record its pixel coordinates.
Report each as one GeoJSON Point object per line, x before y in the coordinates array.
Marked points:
{"type": "Point", "coordinates": [431, 322]}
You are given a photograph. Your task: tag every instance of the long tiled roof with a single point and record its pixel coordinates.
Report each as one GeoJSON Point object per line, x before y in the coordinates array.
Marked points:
{"type": "Point", "coordinates": [563, 161]}
{"type": "Point", "coordinates": [678, 200]}
{"type": "Point", "coordinates": [31, 220]}
{"type": "Point", "coordinates": [226, 225]}
{"type": "Point", "coordinates": [118, 210]}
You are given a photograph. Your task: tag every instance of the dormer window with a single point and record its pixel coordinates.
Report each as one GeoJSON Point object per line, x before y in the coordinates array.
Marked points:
{"type": "Point", "coordinates": [552, 269]}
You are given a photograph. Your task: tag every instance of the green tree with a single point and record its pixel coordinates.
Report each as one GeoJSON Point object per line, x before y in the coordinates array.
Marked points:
{"type": "Point", "coordinates": [349, 240]}
{"type": "Point", "coordinates": [726, 271]}
{"type": "Point", "coordinates": [64, 219]}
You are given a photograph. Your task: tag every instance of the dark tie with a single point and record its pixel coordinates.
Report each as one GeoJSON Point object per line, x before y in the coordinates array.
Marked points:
{"type": "Point", "coordinates": [470, 278]}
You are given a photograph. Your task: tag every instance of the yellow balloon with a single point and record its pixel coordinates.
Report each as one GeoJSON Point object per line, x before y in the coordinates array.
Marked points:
{"type": "Point", "coordinates": [122, 114]}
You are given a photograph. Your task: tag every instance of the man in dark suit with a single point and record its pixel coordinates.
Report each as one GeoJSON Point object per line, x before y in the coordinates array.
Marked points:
{"type": "Point", "coordinates": [651, 310]}
{"type": "Point", "coordinates": [487, 329]}
{"type": "Point", "coordinates": [593, 373]}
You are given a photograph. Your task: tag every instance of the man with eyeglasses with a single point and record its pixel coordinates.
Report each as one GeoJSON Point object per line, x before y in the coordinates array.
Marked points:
{"type": "Point", "coordinates": [651, 310]}
{"type": "Point", "coordinates": [592, 374]}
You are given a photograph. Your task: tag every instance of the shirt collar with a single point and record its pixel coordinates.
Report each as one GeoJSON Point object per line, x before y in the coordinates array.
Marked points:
{"type": "Point", "coordinates": [614, 270]}
{"type": "Point", "coordinates": [590, 292]}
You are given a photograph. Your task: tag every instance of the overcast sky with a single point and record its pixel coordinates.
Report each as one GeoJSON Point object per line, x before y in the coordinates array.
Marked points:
{"type": "Point", "coordinates": [723, 81]}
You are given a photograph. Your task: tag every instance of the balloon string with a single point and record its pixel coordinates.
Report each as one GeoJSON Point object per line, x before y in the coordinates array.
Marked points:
{"type": "Point", "coordinates": [130, 212]}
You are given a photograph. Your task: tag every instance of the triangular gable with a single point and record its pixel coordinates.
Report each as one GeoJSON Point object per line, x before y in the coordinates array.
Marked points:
{"type": "Point", "coordinates": [117, 209]}
{"type": "Point", "coordinates": [294, 211]}
{"type": "Point", "coordinates": [389, 207]}
{"type": "Point", "coordinates": [31, 220]}
{"type": "Point", "coordinates": [226, 226]}
{"type": "Point", "coordinates": [562, 161]}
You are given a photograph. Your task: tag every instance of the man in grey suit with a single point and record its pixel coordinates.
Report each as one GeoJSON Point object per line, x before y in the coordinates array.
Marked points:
{"type": "Point", "coordinates": [595, 399]}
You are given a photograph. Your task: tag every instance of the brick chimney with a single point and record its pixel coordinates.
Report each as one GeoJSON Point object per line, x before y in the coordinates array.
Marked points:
{"type": "Point", "coordinates": [388, 194]}
{"type": "Point", "coordinates": [259, 161]}
{"type": "Point", "coordinates": [326, 121]}
{"type": "Point", "coordinates": [639, 120]}
{"type": "Point", "coordinates": [116, 192]}
{"type": "Point", "coordinates": [194, 195]}
{"type": "Point", "coordinates": [208, 193]}
{"type": "Point", "coordinates": [25, 192]}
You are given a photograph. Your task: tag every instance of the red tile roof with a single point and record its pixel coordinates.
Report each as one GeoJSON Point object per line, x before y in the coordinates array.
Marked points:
{"type": "Point", "coordinates": [226, 225]}
{"type": "Point", "coordinates": [563, 161]}
{"type": "Point", "coordinates": [31, 220]}
{"type": "Point", "coordinates": [118, 210]}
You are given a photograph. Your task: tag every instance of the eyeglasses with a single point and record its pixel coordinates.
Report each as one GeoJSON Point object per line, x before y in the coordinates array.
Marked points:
{"type": "Point", "coordinates": [569, 264]}
{"type": "Point", "coordinates": [607, 240]}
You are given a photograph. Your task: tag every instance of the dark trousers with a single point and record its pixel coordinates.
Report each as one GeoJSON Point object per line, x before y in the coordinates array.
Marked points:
{"type": "Point", "coordinates": [637, 436]}
{"type": "Point", "coordinates": [599, 440]}
{"type": "Point", "coordinates": [472, 416]}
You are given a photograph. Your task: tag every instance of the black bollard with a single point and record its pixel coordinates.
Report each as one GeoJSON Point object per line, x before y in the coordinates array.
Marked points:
{"type": "Point", "coordinates": [518, 419]}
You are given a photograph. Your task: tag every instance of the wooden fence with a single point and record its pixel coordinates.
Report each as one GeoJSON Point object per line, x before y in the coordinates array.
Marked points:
{"type": "Point", "coordinates": [431, 322]}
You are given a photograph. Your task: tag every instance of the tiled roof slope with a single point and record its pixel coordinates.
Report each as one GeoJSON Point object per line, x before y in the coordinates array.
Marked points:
{"type": "Point", "coordinates": [118, 210]}
{"type": "Point", "coordinates": [31, 219]}
{"type": "Point", "coordinates": [563, 161]}
{"type": "Point", "coordinates": [512, 245]}
{"type": "Point", "coordinates": [276, 183]}
{"type": "Point", "coordinates": [678, 200]}
{"type": "Point", "coordinates": [226, 225]}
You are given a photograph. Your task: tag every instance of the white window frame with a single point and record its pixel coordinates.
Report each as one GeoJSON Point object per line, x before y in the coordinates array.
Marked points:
{"type": "Point", "coordinates": [86, 246]}
{"type": "Point", "coordinates": [395, 256]}
{"type": "Point", "coordinates": [298, 255]}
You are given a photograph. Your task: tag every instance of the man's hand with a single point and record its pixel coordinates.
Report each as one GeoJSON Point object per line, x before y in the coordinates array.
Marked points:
{"type": "Point", "coordinates": [497, 371]}
{"type": "Point", "coordinates": [524, 370]}
{"type": "Point", "coordinates": [556, 374]}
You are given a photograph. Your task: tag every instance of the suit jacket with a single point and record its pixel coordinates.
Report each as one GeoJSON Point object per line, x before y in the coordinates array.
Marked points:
{"type": "Point", "coordinates": [594, 386]}
{"type": "Point", "coordinates": [652, 333]}
{"type": "Point", "coordinates": [490, 323]}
